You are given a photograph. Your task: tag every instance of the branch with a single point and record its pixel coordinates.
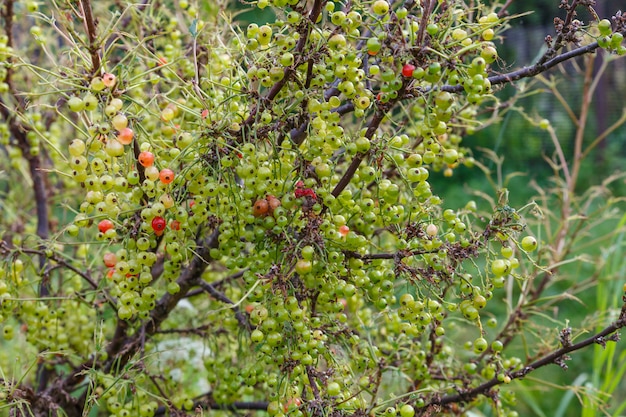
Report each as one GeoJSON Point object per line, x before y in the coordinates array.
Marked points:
{"type": "Point", "coordinates": [563, 28]}
{"type": "Point", "coordinates": [243, 321]}
{"type": "Point", "coordinates": [369, 134]}
{"type": "Point", "coordinates": [206, 401]}
{"type": "Point", "coordinates": [557, 357]}
{"type": "Point", "coordinates": [525, 72]}
{"type": "Point", "coordinates": [90, 26]}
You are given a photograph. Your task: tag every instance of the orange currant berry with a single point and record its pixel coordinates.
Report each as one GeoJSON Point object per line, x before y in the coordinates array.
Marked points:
{"type": "Point", "coordinates": [125, 136]}
{"type": "Point", "coordinates": [166, 175]}
{"type": "Point", "coordinates": [260, 208]}
{"type": "Point", "coordinates": [146, 158]}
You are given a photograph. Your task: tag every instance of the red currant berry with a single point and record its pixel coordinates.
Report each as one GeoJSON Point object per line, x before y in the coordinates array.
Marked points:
{"type": "Point", "coordinates": [158, 224]}
{"type": "Point", "coordinates": [105, 225]}
{"type": "Point", "coordinates": [407, 70]}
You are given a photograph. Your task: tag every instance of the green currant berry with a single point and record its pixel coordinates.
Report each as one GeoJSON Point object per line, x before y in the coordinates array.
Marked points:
{"type": "Point", "coordinates": [529, 243]}
{"type": "Point", "coordinates": [380, 7]}
{"type": "Point", "coordinates": [604, 26]}
{"type": "Point", "coordinates": [480, 345]}
{"type": "Point", "coordinates": [75, 104]}
{"type": "Point", "coordinates": [333, 388]}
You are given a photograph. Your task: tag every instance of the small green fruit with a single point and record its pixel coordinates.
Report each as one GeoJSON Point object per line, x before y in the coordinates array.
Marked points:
{"type": "Point", "coordinates": [529, 243]}
{"type": "Point", "coordinates": [604, 26]}
{"type": "Point", "coordinates": [75, 104]}
{"type": "Point", "coordinates": [380, 7]}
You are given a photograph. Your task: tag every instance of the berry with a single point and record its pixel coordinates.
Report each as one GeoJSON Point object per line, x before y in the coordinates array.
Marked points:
{"type": "Point", "coordinates": [500, 267]}
{"type": "Point", "coordinates": [168, 114]}
{"type": "Point", "coordinates": [158, 224]}
{"type": "Point", "coordinates": [146, 158]}
{"type": "Point", "coordinates": [273, 202]}
{"type": "Point", "coordinates": [407, 410]}
{"type": "Point", "coordinates": [497, 346]}
{"type": "Point", "coordinates": [432, 29]}
{"type": "Point", "coordinates": [380, 7]}
{"type": "Point", "coordinates": [616, 40]}
{"type": "Point", "coordinates": [166, 176]}
{"type": "Point", "coordinates": [105, 225]}
{"type": "Point", "coordinates": [480, 345]}
{"type": "Point", "coordinates": [604, 26]}
{"type": "Point", "coordinates": [303, 266]}
{"type": "Point", "coordinates": [75, 104]}
{"type": "Point", "coordinates": [333, 389]}
{"type": "Point", "coordinates": [151, 172]}
{"type": "Point", "coordinates": [529, 243]}
{"type": "Point", "coordinates": [407, 70]}
{"type": "Point", "coordinates": [91, 102]}
{"type": "Point", "coordinates": [108, 80]}
{"type": "Point", "coordinates": [260, 208]}
{"type": "Point", "coordinates": [109, 259]}
{"type": "Point", "coordinates": [125, 136]}
{"type": "Point", "coordinates": [97, 84]}
{"type": "Point", "coordinates": [373, 46]}
{"type": "Point", "coordinates": [301, 191]}
{"type": "Point", "coordinates": [77, 147]}
{"type": "Point", "coordinates": [114, 148]}
{"type": "Point", "coordinates": [119, 122]}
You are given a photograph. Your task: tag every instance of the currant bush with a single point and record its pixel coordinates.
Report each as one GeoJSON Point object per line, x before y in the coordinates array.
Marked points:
{"type": "Point", "coordinates": [263, 194]}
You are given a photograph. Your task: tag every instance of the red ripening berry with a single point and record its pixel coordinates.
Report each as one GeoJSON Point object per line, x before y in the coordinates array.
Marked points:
{"type": "Point", "coordinates": [260, 208]}
{"type": "Point", "coordinates": [105, 225]}
{"type": "Point", "coordinates": [158, 225]}
{"type": "Point", "coordinates": [294, 402]}
{"type": "Point", "coordinates": [300, 191]}
{"type": "Point", "coordinates": [109, 259]}
{"type": "Point", "coordinates": [273, 202]}
{"type": "Point", "coordinates": [344, 230]}
{"type": "Point", "coordinates": [146, 158]}
{"type": "Point", "coordinates": [125, 136]}
{"type": "Point", "coordinates": [175, 225]}
{"type": "Point", "coordinates": [166, 175]}
{"type": "Point", "coordinates": [407, 70]}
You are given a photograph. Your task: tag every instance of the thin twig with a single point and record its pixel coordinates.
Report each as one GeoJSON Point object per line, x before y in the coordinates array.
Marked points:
{"type": "Point", "coordinates": [90, 27]}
